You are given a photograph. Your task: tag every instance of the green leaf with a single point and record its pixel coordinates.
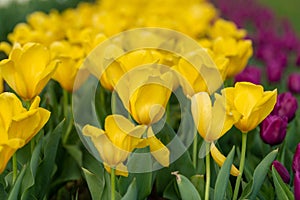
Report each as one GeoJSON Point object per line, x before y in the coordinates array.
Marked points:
{"type": "Point", "coordinates": [143, 180]}
{"type": "Point", "coordinates": [14, 193]}
{"type": "Point", "coordinates": [186, 188]}
{"type": "Point", "coordinates": [74, 151]}
{"type": "Point", "coordinates": [47, 165]}
{"type": "Point", "coordinates": [282, 190]}
{"type": "Point", "coordinates": [223, 176]}
{"type": "Point", "coordinates": [95, 184]}
{"type": "Point", "coordinates": [199, 183]}
{"type": "Point", "coordinates": [183, 163]}
{"type": "Point", "coordinates": [260, 172]}
{"type": "Point", "coordinates": [30, 173]}
{"type": "Point", "coordinates": [172, 191]}
{"type": "Point", "coordinates": [132, 192]}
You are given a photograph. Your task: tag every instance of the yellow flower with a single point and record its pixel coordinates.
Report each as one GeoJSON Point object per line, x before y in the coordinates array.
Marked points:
{"type": "Point", "coordinates": [118, 140]}
{"type": "Point", "coordinates": [252, 102]}
{"type": "Point", "coordinates": [237, 51]}
{"type": "Point", "coordinates": [212, 121]}
{"type": "Point", "coordinates": [17, 125]}
{"type": "Point", "coordinates": [224, 28]}
{"type": "Point", "coordinates": [71, 58]}
{"type": "Point", "coordinates": [205, 78]}
{"type": "Point", "coordinates": [28, 69]}
{"type": "Point", "coordinates": [220, 159]}
{"type": "Point", "coordinates": [145, 93]}
{"type": "Point", "coordinates": [158, 150]}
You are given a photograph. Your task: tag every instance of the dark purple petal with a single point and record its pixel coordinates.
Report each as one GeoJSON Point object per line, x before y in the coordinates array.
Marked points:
{"type": "Point", "coordinates": [273, 129]}
{"type": "Point", "coordinates": [297, 185]}
{"type": "Point", "coordinates": [294, 83]}
{"type": "Point", "coordinates": [286, 105]}
{"type": "Point", "coordinates": [296, 160]}
{"type": "Point", "coordinates": [282, 171]}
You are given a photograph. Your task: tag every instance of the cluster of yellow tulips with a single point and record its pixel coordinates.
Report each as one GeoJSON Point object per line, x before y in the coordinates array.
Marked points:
{"type": "Point", "coordinates": [55, 45]}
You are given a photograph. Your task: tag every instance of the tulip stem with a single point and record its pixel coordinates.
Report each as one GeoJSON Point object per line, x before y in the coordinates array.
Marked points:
{"type": "Point", "coordinates": [70, 124]}
{"type": "Point", "coordinates": [195, 149]}
{"type": "Point", "coordinates": [207, 186]}
{"type": "Point", "coordinates": [241, 168]}
{"type": "Point", "coordinates": [15, 168]}
{"type": "Point", "coordinates": [112, 182]}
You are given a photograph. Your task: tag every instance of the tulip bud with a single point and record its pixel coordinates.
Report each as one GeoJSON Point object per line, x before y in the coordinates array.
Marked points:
{"type": "Point", "coordinates": [282, 171]}
{"type": "Point", "coordinates": [250, 74]}
{"type": "Point", "coordinates": [296, 160]}
{"type": "Point", "coordinates": [294, 83]}
{"type": "Point", "coordinates": [273, 129]}
{"type": "Point", "coordinates": [286, 105]}
{"type": "Point", "coordinates": [297, 185]}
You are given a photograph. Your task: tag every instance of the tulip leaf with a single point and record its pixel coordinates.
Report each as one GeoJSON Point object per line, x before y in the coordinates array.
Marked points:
{"type": "Point", "coordinates": [30, 173]}
{"type": "Point", "coordinates": [186, 188]}
{"type": "Point", "coordinates": [132, 192]}
{"type": "Point", "coordinates": [46, 166]}
{"type": "Point", "coordinates": [172, 191]}
{"type": "Point", "coordinates": [199, 183]}
{"type": "Point", "coordinates": [75, 152]}
{"type": "Point", "coordinates": [143, 180]}
{"type": "Point", "coordinates": [282, 190]}
{"type": "Point", "coordinates": [14, 193]}
{"type": "Point", "coordinates": [260, 172]}
{"type": "Point", "coordinates": [95, 184]}
{"type": "Point", "coordinates": [183, 163]}
{"type": "Point", "coordinates": [223, 176]}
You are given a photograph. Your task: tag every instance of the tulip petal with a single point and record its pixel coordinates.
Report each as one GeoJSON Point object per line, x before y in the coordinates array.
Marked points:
{"type": "Point", "coordinates": [158, 150]}
{"type": "Point", "coordinates": [121, 169]}
{"type": "Point", "coordinates": [202, 113]}
{"type": "Point", "coordinates": [27, 124]}
{"type": "Point", "coordinates": [11, 106]}
{"type": "Point", "coordinates": [7, 150]}
{"type": "Point", "coordinates": [220, 159]}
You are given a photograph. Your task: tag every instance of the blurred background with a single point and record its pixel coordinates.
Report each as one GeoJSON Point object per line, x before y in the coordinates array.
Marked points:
{"type": "Point", "coordinates": [14, 11]}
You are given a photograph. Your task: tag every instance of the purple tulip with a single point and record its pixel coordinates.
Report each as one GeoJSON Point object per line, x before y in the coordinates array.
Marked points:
{"type": "Point", "coordinates": [296, 160]}
{"type": "Point", "coordinates": [282, 171]}
{"type": "Point", "coordinates": [251, 74]}
{"type": "Point", "coordinates": [294, 83]}
{"type": "Point", "coordinates": [273, 129]}
{"type": "Point", "coordinates": [298, 59]}
{"type": "Point", "coordinates": [297, 185]}
{"type": "Point", "coordinates": [274, 71]}
{"type": "Point", "coordinates": [286, 105]}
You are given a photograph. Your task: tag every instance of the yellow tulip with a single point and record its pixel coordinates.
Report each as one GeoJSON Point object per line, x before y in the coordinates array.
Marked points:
{"type": "Point", "coordinates": [212, 121]}
{"type": "Point", "coordinates": [252, 102]}
{"type": "Point", "coordinates": [71, 58]}
{"type": "Point", "coordinates": [17, 125]}
{"type": "Point", "coordinates": [224, 28]}
{"type": "Point", "coordinates": [237, 51]}
{"type": "Point", "coordinates": [145, 93]}
{"type": "Point", "coordinates": [220, 159]}
{"type": "Point", "coordinates": [28, 69]}
{"type": "Point", "coordinates": [206, 78]}
{"type": "Point", "coordinates": [118, 140]}
{"type": "Point", "coordinates": [158, 150]}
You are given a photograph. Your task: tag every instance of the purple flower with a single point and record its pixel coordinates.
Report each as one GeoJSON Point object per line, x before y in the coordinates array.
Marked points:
{"type": "Point", "coordinates": [286, 105]}
{"type": "Point", "coordinates": [294, 83]}
{"type": "Point", "coordinates": [297, 185]}
{"type": "Point", "coordinates": [251, 74]}
{"type": "Point", "coordinates": [274, 71]}
{"type": "Point", "coordinates": [298, 59]}
{"type": "Point", "coordinates": [273, 129]}
{"type": "Point", "coordinates": [296, 160]}
{"type": "Point", "coordinates": [282, 171]}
